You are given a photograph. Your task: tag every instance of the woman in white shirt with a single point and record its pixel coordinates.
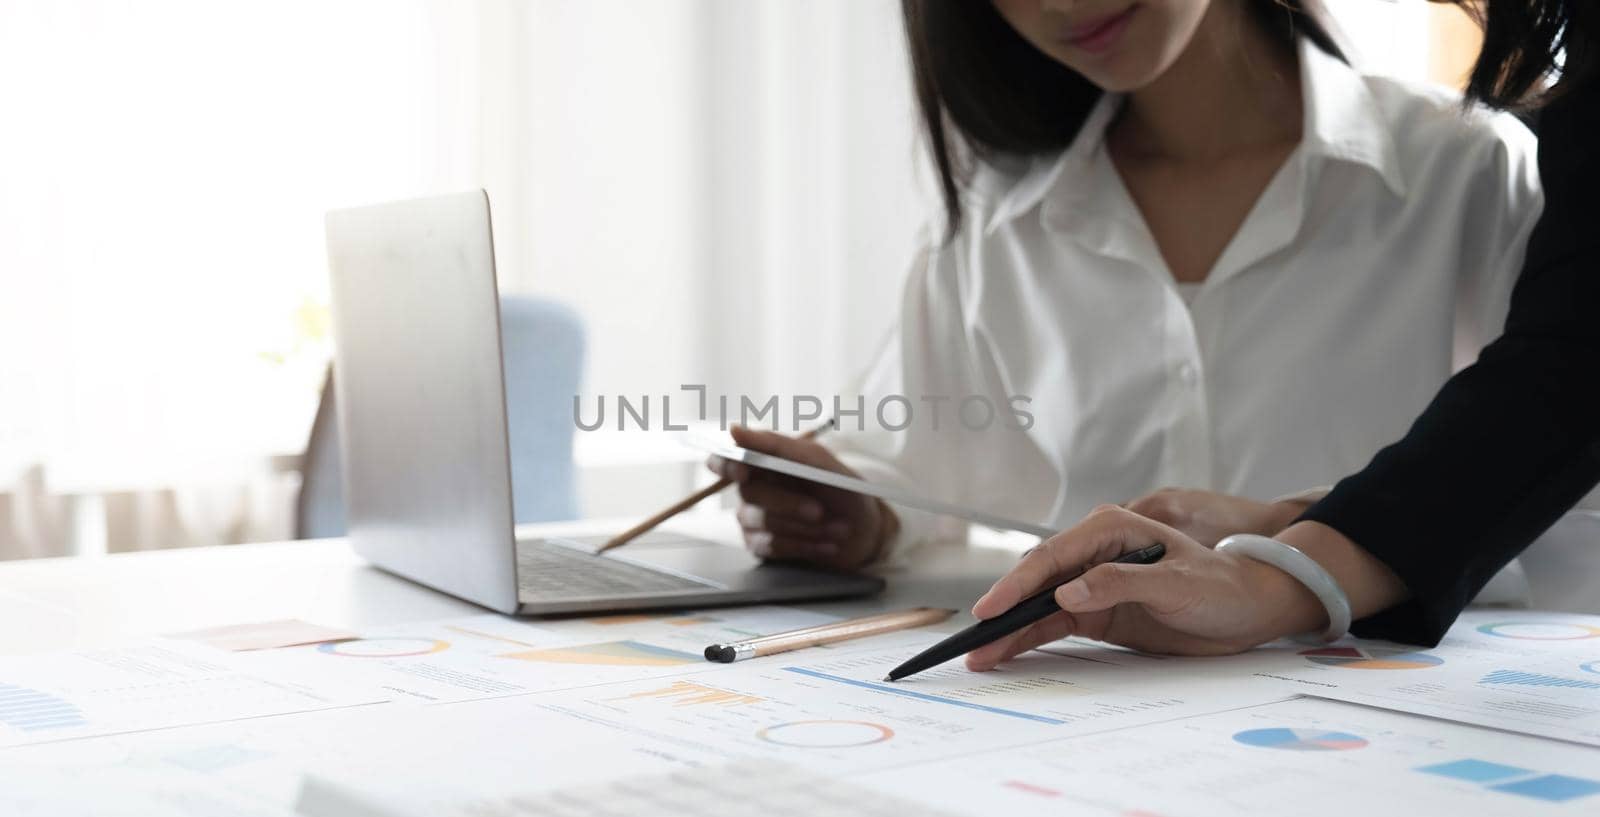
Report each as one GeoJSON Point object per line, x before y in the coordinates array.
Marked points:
{"type": "Point", "coordinates": [1196, 246]}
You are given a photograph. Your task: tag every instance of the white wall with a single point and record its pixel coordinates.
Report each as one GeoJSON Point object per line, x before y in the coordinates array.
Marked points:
{"type": "Point", "coordinates": [165, 168]}
{"type": "Point", "coordinates": [813, 199]}
{"type": "Point", "coordinates": [722, 187]}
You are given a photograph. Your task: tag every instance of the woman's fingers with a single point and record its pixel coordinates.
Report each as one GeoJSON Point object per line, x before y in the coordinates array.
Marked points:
{"type": "Point", "coordinates": [1167, 506]}
{"type": "Point", "coordinates": [796, 449]}
{"type": "Point", "coordinates": [1038, 633]}
{"type": "Point", "coordinates": [776, 498]}
{"type": "Point", "coordinates": [1106, 533]}
{"type": "Point", "coordinates": [754, 518]}
{"type": "Point", "coordinates": [990, 655]}
{"type": "Point", "coordinates": [728, 469]}
{"type": "Point", "coordinates": [1160, 587]}
{"type": "Point", "coordinates": [766, 545]}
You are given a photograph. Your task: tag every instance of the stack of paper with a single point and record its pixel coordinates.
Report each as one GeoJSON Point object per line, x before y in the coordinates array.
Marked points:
{"type": "Point", "coordinates": [152, 685]}
{"type": "Point", "coordinates": [757, 789]}
{"type": "Point", "coordinates": [488, 715]}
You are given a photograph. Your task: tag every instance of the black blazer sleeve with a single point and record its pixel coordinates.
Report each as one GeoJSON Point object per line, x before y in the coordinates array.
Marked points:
{"type": "Point", "coordinates": [1511, 442]}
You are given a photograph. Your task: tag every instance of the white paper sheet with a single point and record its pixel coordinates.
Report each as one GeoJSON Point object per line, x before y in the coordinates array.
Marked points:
{"type": "Point", "coordinates": [744, 788]}
{"type": "Point", "coordinates": [264, 635]}
{"type": "Point", "coordinates": [825, 712]}
{"type": "Point", "coordinates": [1535, 673]}
{"type": "Point", "coordinates": [836, 713]}
{"type": "Point", "coordinates": [601, 699]}
{"type": "Point", "coordinates": [253, 768]}
{"type": "Point", "coordinates": [1305, 757]}
{"type": "Point", "coordinates": [154, 684]}
{"type": "Point", "coordinates": [494, 656]}
{"type": "Point", "coordinates": [245, 768]}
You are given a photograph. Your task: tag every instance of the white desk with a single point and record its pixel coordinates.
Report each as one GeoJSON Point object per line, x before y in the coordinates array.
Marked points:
{"type": "Point", "coordinates": [73, 603]}
{"type": "Point", "coordinates": [68, 603]}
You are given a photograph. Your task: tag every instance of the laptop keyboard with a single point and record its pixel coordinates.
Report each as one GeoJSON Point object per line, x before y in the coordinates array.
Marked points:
{"type": "Point", "coordinates": [547, 571]}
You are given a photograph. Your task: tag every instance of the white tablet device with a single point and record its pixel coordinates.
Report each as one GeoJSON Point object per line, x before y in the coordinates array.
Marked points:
{"type": "Point", "coordinates": [723, 447]}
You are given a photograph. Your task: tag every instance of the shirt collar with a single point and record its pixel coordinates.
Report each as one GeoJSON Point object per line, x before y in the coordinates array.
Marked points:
{"type": "Point", "coordinates": [1342, 121]}
{"type": "Point", "coordinates": [1041, 174]}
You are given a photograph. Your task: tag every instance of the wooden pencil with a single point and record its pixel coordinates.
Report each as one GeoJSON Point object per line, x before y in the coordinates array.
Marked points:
{"type": "Point", "coordinates": [686, 503]}
{"type": "Point", "coordinates": [827, 633]}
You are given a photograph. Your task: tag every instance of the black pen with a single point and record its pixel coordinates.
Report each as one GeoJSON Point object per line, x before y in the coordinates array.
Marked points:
{"type": "Point", "coordinates": [1031, 609]}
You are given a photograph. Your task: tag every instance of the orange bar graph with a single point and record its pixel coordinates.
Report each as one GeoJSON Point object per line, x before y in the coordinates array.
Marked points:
{"type": "Point", "coordinates": [684, 693]}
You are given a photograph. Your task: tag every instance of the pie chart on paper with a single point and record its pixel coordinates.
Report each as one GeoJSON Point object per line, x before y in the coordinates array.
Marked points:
{"type": "Point", "coordinates": [1371, 658]}
{"type": "Point", "coordinates": [1300, 740]}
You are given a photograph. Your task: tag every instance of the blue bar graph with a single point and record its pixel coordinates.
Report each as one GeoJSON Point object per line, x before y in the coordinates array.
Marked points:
{"type": "Point", "coordinates": [923, 696]}
{"type": "Point", "coordinates": [1554, 788]}
{"type": "Point", "coordinates": [33, 711]}
{"type": "Point", "coordinates": [1533, 679]}
{"type": "Point", "coordinates": [1476, 771]}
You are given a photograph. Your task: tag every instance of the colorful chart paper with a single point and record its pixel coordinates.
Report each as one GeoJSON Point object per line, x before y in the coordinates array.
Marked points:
{"type": "Point", "coordinates": [1301, 740]}
{"type": "Point", "coordinates": [1499, 777]}
{"type": "Point", "coordinates": [1371, 658]}
{"type": "Point", "coordinates": [384, 647]}
{"type": "Point", "coordinates": [1539, 630]}
{"type": "Point", "coordinates": [32, 710]}
{"type": "Point", "coordinates": [687, 693]}
{"type": "Point", "coordinates": [826, 734]}
{"type": "Point", "coordinates": [610, 653]}
{"type": "Point", "coordinates": [1511, 677]}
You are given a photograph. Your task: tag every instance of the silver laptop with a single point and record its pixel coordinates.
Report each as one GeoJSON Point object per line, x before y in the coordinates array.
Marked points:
{"type": "Point", "coordinates": [422, 415]}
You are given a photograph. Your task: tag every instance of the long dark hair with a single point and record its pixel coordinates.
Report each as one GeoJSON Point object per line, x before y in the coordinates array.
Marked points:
{"type": "Point", "coordinates": [1527, 41]}
{"type": "Point", "coordinates": [984, 91]}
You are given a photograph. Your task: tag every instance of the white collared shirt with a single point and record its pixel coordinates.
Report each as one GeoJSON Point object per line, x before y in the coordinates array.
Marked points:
{"type": "Point", "coordinates": [1386, 244]}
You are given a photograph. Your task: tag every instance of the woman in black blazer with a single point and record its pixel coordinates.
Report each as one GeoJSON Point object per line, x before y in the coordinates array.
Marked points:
{"type": "Point", "coordinates": [1508, 445]}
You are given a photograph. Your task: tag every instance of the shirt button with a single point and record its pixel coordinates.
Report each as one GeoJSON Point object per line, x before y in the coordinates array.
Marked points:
{"type": "Point", "coordinates": [1188, 373]}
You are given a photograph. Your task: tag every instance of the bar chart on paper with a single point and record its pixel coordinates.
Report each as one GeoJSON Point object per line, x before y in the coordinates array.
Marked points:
{"type": "Point", "coordinates": [1307, 757]}
{"type": "Point", "coordinates": [32, 710]}
{"type": "Point", "coordinates": [491, 656]}
{"type": "Point", "coordinates": [610, 654]}
{"type": "Point", "coordinates": [689, 693]}
{"type": "Point", "coordinates": [238, 768]}
{"type": "Point", "coordinates": [1511, 677]}
{"type": "Point", "coordinates": [1035, 688]}
{"type": "Point", "coordinates": [151, 685]}
{"type": "Point", "coordinates": [1371, 658]}
{"type": "Point", "coordinates": [835, 711]}
{"type": "Point", "coordinates": [1008, 699]}
{"type": "Point", "coordinates": [1529, 672]}
{"type": "Point", "coordinates": [1523, 782]}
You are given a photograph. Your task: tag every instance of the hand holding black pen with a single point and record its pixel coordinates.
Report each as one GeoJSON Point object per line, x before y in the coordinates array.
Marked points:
{"type": "Point", "coordinates": [1038, 606]}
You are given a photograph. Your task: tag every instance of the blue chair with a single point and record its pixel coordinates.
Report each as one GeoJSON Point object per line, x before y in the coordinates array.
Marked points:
{"type": "Point", "coordinates": [543, 347]}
